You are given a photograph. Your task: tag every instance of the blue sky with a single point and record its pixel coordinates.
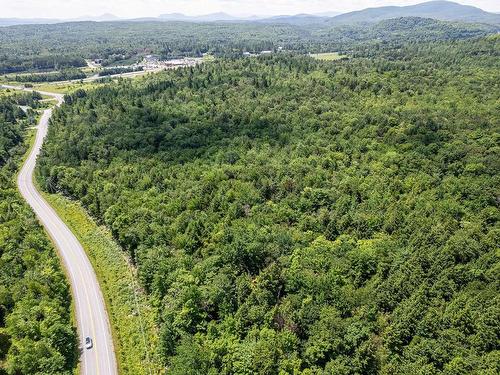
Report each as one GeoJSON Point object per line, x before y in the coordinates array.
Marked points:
{"type": "Point", "coordinates": [141, 8]}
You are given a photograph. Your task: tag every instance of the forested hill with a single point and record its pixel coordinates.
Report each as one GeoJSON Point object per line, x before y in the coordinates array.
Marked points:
{"type": "Point", "coordinates": [439, 10]}
{"type": "Point", "coordinates": [36, 334]}
{"type": "Point", "coordinates": [290, 216]}
{"type": "Point", "coordinates": [42, 47]}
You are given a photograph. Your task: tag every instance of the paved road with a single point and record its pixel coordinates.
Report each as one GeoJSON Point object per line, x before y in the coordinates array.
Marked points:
{"type": "Point", "coordinates": [89, 305]}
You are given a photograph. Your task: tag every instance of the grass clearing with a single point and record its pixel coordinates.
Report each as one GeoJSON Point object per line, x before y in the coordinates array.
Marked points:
{"type": "Point", "coordinates": [208, 58]}
{"type": "Point", "coordinates": [329, 56]}
{"type": "Point", "coordinates": [58, 88]}
{"type": "Point", "coordinates": [64, 88]}
{"type": "Point", "coordinates": [5, 92]}
{"type": "Point", "coordinates": [132, 319]}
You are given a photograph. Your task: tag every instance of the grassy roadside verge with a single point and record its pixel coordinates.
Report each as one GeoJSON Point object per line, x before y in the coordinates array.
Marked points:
{"type": "Point", "coordinates": [132, 319]}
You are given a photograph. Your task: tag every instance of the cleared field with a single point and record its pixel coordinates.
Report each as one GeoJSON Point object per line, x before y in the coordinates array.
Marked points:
{"type": "Point", "coordinates": [6, 92]}
{"type": "Point", "coordinates": [65, 88]}
{"type": "Point", "coordinates": [58, 88]}
{"type": "Point", "coordinates": [328, 56]}
{"type": "Point", "coordinates": [208, 58]}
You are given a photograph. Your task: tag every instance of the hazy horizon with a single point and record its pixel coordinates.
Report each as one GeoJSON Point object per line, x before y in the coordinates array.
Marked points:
{"type": "Point", "coordinates": [67, 9]}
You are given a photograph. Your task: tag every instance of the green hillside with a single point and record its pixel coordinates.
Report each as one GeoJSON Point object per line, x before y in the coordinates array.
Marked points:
{"type": "Point", "coordinates": [60, 46]}
{"type": "Point", "coordinates": [438, 10]}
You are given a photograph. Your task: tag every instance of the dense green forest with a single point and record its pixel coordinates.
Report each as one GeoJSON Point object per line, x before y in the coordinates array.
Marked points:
{"type": "Point", "coordinates": [36, 334]}
{"type": "Point", "coordinates": [293, 216]}
{"type": "Point", "coordinates": [23, 60]}
{"type": "Point", "coordinates": [38, 47]}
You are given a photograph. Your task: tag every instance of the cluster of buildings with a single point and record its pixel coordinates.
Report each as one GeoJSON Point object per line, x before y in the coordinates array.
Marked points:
{"type": "Point", "coordinates": [154, 62]}
{"type": "Point", "coordinates": [261, 53]}
{"type": "Point", "coordinates": [151, 62]}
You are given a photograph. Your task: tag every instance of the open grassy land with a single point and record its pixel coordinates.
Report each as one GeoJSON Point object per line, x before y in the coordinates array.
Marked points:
{"type": "Point", "coordinates": [208, 58]}
{"type": "Point", "coordinates": [65, 88]}
{"type": "Point", "coordinates": [329, 56]}
{"type": "Point", "coordinates": [59, 88]}
{"type": "Point", "coordinates": [132, 319]}
{"type": "Point", "coordinates": [7, 92]}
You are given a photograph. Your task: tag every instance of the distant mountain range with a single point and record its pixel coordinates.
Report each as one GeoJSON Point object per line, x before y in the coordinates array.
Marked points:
{"type": "Point", "coordinates": [102, 18]}
{"type": "Point", "coordinates": [213, 17]}
{"type": "Point", "coordinates": [440, 10]}
{"type": "Point", "coordinates": [27, 21]}
{"type": "Point", "coordinates": [37, 21]}
{"type": "Point", "coordinates": [298, 19]}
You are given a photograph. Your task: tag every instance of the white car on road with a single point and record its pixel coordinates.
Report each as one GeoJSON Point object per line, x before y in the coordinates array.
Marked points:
{"type": "Point", "coordinates": [88, 343]}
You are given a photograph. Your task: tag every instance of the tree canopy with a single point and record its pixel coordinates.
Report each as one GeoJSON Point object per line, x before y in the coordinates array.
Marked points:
{"type": "Point", "coordinates": [293, 216]}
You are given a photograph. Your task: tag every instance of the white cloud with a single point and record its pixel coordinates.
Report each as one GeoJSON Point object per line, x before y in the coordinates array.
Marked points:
{"type": "Point", "coordinates": [140, 8]}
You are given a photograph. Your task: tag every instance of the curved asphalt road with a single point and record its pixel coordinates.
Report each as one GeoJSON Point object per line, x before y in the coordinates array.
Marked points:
{"type": "Point", "coordinates": [90, 309]}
